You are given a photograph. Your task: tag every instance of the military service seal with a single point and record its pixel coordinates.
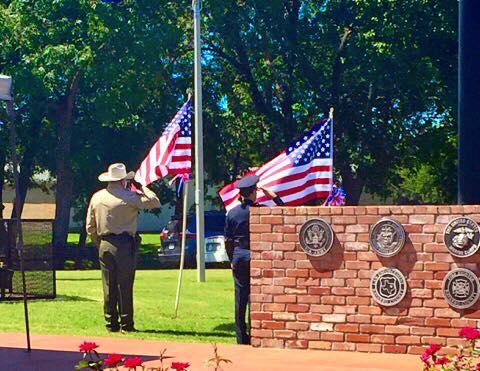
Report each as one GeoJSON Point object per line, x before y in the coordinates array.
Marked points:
{"type": "Point", "coordinates": [388, 286]}
{"type": "Point", "coordinates": [462, 237]}
{"type": "Point", "coordinates": [387, 237]}
{"type": "Point", "coordinates": [461, 288]}
{"type": "Point", "coordinates": [316, 237]}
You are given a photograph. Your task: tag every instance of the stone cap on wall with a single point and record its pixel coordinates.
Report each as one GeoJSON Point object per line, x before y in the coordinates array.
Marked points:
{"type": "Point", "coordinates": [360, 210]}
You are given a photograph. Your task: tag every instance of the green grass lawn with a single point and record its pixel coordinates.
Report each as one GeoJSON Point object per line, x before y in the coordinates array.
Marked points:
{"type": "Point", "coordinates": [147, 238]}
{"type": "Point", "coordinates": [150, 242]}
{"type": "Point", "coordinates": [206, 309]}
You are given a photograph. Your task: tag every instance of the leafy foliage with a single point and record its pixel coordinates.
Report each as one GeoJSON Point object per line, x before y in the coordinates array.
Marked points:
{"type": "Point", "coordinates": [281, 64]}
{"type": "Point", "coordinates": [271, 69]}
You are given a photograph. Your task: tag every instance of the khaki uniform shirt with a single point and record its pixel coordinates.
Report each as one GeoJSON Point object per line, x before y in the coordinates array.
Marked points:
{"type": "Point", "coordinates": [115, 210]}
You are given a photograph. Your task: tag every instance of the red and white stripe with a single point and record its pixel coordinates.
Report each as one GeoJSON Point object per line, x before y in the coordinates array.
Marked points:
{"type": "Point", "coordinates": [181, 161]}
{"type": "Point", "coordinates": [170, 155]}
{"type": "Point", "coordinates": [294, 184]}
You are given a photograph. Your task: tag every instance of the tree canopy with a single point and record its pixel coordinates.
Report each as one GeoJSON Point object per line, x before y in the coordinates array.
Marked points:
{"type": "Point", "coordinates": [381, 64]}
{"type": "Point", "coordinates": [95, 82]}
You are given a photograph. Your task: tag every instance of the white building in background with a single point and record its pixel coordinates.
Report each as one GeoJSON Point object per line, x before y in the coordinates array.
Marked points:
{"type": "Point", "coordinates": [149, 222]}
{"type": "Point", "coordinates": [41, 205]}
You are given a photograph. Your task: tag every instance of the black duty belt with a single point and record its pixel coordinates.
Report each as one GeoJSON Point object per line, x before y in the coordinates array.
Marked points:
{"type": "Point", "coordinates": [113, 235]}
{"type": "Point", "coordinates": [241, 243]}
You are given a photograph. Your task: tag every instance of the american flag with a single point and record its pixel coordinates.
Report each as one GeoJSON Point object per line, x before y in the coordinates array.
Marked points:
{"type": "Point", "coordinates": [172, 153]}
{"type": "Point", "coordinates": [300, 173]}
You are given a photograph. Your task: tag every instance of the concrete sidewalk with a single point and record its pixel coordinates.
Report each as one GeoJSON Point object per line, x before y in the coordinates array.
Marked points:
{"type": "Point", "coordinates": [52, 352]}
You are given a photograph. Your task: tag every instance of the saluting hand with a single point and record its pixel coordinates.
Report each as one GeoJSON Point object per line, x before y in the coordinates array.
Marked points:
{"type": "Point", "coordinates": [136, 184]}
{"type": "Point", "coordinates": [268, 192]}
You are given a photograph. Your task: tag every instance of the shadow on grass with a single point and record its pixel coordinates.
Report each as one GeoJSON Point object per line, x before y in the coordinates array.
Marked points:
{"type": "Point", "coordinates": [149, 249]}
{"type": "Point", "coordinates": [220, 334]}
{"type": "Point", "coordinates": [225, 327]}
{"type": "Point", "coordinates": [71, 298]}
{"type": "Point", "coordinates": [19, 360]}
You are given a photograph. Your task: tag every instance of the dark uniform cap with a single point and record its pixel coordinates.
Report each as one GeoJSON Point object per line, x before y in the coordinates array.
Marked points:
{"type": "Point", "coordinates": [248, 181]}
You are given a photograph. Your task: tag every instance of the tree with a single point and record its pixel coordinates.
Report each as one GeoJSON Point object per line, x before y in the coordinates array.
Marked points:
{"type": "Point", "coordinates": [111, 70]}
{"type": "Point", "coordinates": [279, 64]}
{"type": "Point", "coordinates": [95, 82]}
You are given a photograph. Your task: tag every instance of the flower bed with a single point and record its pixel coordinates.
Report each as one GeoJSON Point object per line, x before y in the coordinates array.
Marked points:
{"type": "Point", "coordinates": [93, 361]}
{"type": "Point", "coordinates": [465, 359]}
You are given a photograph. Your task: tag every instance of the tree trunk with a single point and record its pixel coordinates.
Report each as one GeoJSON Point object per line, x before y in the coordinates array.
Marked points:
{"type": "Point", "coordinates": [337, 67]}
{"type": "Point", "coordinates": [64, 186]}
{"type": "Point", "coordinates": [290, 123]}
{"type": "Point", "coordinates": [353, 186]}
{"type": "Point", "coordinates": [3, 231]}
{"type": "Point", "coordinates": [2, 180]}
{"type": "Point", "coordinates": [26, 171]}
{"type": "Point", "coordinates": [236, 166]}
{"type": "Point", "coordinates": [82, 243]}
{"type": "Point", "coordinates": [26, 166]}
{"type": "Point", "coordinates": [63, 201]}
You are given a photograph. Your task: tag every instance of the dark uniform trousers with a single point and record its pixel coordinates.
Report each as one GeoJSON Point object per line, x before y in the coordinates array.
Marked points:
{"type": "Point", "coordinates": [241, 276]}
{"type": "Point", "coordinates": [117, 255]}
{"type": "Point", "coordinates": [237, 243]}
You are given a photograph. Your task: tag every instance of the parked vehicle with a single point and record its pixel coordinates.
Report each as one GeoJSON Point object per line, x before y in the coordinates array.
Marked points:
{"type": "Point", "coordinates": [215, 251]}
{"type": "Point", "coordinates": [171, 238]}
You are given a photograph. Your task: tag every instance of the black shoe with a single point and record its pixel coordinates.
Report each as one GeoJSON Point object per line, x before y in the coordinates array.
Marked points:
{"type": "Point", "coordinates": [113, 329]}
{"type": "Point", "coordinates": [127, 330]}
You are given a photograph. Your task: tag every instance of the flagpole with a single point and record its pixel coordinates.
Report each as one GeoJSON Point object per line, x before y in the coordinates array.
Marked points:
{"type": "Point", "coordinates": [184, 238]}
{"type": "Point", "coordinates": [330, 116]}
{"type": "Point", "coordinates": [199, 200]}
{"type": "Point", "coordinates": [18, 223]}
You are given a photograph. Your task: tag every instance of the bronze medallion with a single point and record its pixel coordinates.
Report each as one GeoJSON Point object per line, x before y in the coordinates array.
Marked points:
{"type": "Point", "coordinates": [461, 288]}
{"type": "Point", "coordinates": [387, 237]}
{"type": "Point", "coordinates": [388, 286]}
{"type": "Point", "coordinates": [462, 237]}
{"type": "Point", "coordinates": [316, 237]}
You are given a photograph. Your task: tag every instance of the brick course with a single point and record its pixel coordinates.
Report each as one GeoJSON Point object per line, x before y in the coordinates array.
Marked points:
{"type": "Point", "coordinates": [325, 303]}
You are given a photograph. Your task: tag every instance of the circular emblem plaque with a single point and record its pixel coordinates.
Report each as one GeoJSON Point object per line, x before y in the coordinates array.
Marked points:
{"type": "Point", "coordinates": [387, 237]}
{"type": "Point", "coordinates": [462, 237]}
{"type": "Point", "coordinates": [316, 237]}
{"type": "Point", "coordinates": [461, 288]}
{"type": "Point", "coordinates": [388, 286]}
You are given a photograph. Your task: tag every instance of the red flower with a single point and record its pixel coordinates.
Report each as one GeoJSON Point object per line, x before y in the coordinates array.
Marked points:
{"type": "Point", "coordinates": [441, 360]}
{"type": "Point", "coordinates": [113, 360]}
{"type": "Point", "coordinates": [180, 366]}
{"type": "Point", "coordinates": [478, 366]}
{"type": "Point", "coordinates": [87, 347]}
{"type": "Point", "coordinates": [133, 362]}
{"type": "Point", "coordinates": [469, 333]}
{"type": "Point", "coordinates": [425, 358]}
{"type": "Point", "coordinates": [432, 349]}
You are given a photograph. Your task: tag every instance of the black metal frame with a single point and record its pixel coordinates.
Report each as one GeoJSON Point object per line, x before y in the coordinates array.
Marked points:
{"type": "Point", "coordinates": [7, 269]}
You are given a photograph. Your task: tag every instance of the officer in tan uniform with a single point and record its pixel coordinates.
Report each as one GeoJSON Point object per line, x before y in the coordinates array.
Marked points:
{"type": "Point", "coordinates": [112, 225]}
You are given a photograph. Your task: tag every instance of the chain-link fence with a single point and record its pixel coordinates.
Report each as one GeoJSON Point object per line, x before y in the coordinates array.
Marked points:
{"type": "Point", "coordinates": [38, 260]}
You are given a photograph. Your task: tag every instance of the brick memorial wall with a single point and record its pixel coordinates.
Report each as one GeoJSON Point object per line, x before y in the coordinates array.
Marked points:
{"type": "Point", "coordinates": [299, 301]}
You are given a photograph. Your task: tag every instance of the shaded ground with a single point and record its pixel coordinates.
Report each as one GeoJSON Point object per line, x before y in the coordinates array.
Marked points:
{"type": "Point", "coordinates": [147, 255]}
{"type": "Point", "coordinates": [33, 210]}
{"type": "Point", "coordinates": [205, 314]}
{"type": "Point", "coordinates": [60, 353]}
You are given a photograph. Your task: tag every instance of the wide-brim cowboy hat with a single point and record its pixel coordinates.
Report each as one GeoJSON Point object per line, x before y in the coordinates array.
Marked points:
{"type": "Point", "coordinates": [115, 173]}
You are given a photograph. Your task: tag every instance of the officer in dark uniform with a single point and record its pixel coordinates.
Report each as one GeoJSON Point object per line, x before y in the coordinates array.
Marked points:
{"type": "Point", "coordinates": [237, 241]}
